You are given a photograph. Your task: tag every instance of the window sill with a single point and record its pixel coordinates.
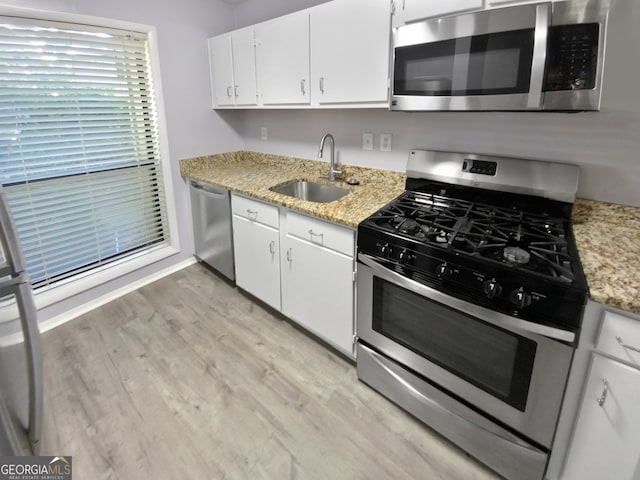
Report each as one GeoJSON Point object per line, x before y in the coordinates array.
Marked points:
{"type": "Point", "coordinates": [50, 295]}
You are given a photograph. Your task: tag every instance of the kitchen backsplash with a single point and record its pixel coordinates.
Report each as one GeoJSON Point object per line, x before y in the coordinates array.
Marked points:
{"type": "Point", "coordinates": [605, 144]}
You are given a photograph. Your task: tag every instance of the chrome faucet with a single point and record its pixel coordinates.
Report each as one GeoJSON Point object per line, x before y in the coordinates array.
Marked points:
{"type": "Point", "coordinates": [332, 162]}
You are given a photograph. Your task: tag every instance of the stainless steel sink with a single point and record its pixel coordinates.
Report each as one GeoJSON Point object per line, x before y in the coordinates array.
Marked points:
{"type": "Point", "coordinates": [311, 191]}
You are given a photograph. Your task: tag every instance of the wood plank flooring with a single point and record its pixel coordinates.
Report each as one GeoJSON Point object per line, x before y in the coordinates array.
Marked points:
{"type": "Point", "coordinates": [187, 378]}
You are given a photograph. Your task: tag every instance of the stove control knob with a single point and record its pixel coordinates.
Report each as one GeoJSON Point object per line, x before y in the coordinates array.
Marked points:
{"type": "Point", "coordinates": [404, 256]}
{"type": "Point", "coordinates": [443, 271]}
{"type": "Point", "coordinates": [520, 298]}
{"type": "Point", "coordinates": [383, 249]}
{"type": "Point", "coordinates": [491, 288]}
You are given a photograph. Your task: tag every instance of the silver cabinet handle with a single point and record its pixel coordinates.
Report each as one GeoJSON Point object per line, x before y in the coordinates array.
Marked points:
{"type": "Point", "coordinates": [302, 86]}
{"type": "Point", "coordinates": [321, 84]}
{"type": "Point", "coordinates": [314, 234]}
{"type": "Point", "coordinates": [229, 92]}
{"type": "Point", "coordinates": [235, 90]}
{"type": "Point", "coordinates": [603, 395]}
{"type": "Point", "coordinates": [628, 347]}
{"type": "Point", "coordinates": [252, 214]}
{"type": "Point", "coordinates": [289, 255]}
{"type": "Point", "coordinates": [272, 247]}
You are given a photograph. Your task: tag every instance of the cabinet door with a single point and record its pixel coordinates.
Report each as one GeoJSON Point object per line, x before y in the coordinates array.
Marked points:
{"type": "Point", "coordinates": [257, 260]}
{"type": "Point", "coordinates": [282, 60]}
{"type": "Point", "coordinates": [350, 51]}
{"type": "Point", "coordinates": [221, 70]}
{"type": "Point", "coordinates": [244, 67]}
{"type": "Point", "coordinates": [606, 441]}
{"type": "Point", "coordinates": [317, 291]}
{"type": "Point", "coordinates": [413, 10]}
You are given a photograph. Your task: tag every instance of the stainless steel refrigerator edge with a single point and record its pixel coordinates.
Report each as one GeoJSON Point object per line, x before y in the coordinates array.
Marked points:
{"type": "Point", "coordinates": [21, 398]}
{"type": "Point", "coordinates": [211, 212]}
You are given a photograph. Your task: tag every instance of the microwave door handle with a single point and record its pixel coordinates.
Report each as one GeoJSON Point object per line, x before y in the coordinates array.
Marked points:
{"type": "Point", "coordinates": [543, 18]}
{"type": "Point", "coordinates": [490, 316]}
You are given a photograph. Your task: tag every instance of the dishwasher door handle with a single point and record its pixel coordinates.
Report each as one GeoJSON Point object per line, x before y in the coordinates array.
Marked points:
{"type": "Point", "coordinates": [209, 190]}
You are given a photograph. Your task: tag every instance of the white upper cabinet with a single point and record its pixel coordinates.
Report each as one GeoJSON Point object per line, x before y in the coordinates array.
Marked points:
{"type": "Point", "coordinates": [233, 71]}
{"type": "Point", "coordinates": [407, 11]}
{"type": "Point", "coordinates": [329, 56]}
{"type": "Point", "coordinates": [244, 66]}
{"type": "Point", "coordinates": [282, 60]}
{"type": "Point", "coordinates": [221, 70]}
{"type": "Point", "coordinates": [350, 52]}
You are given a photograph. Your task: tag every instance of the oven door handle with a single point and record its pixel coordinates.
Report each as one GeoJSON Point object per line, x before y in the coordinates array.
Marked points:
{"type": "Point", "coordinates": [489, 316]}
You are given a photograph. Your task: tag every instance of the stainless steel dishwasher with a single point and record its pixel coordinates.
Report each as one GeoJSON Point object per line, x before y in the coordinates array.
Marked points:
{"type": "Point", "coordinates": [211, 211]}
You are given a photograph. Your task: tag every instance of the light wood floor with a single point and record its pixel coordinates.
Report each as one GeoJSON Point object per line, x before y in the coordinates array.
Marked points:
{"type": "Point", "coordinates": [189, 379]}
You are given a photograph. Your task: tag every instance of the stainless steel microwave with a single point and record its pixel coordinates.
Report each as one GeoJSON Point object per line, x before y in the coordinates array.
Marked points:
{"type": "Point", "coordinates": [541, 56]}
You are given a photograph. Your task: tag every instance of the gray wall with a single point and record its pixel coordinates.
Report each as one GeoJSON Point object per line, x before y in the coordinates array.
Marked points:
{"type": "Point", "coordinates": [605, 144]}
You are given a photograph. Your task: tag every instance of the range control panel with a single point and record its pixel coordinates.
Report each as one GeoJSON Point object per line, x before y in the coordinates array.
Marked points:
{"type": "Point", "coordinates": [482, 167]}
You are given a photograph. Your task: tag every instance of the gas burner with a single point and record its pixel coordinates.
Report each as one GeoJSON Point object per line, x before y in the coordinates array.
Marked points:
{"type": "Point", "coordinates": [509, 236]}
{"type": "Point", "coordinates": [409, 226]}
{"type": "Point", "coordinates": [516, 255]}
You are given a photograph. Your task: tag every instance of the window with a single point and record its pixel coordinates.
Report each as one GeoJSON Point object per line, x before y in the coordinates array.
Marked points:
{"type": "Point", "coordinates": [79, 149]}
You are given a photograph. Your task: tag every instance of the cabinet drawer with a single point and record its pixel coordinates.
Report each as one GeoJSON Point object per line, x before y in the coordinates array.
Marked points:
{"type": "Point", "coordinates": [620, 337]}
{"type": "Point", "coordinates": [329, 235]}
{"type": "Point", "coordinates": [255, 210]}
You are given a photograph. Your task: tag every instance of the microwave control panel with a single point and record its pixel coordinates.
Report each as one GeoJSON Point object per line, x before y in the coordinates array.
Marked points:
{"type": "Point", "coordinates": [572, 57]}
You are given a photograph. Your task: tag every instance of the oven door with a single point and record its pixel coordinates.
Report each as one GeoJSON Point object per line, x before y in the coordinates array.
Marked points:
{"type": "Point", "coordinates": [494, 362]}
{"type": "Point", "coordinates": [489, 60]}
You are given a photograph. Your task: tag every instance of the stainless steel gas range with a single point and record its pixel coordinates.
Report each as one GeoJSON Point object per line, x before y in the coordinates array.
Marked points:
{"type": "Point", "coordinates": [470, 300]}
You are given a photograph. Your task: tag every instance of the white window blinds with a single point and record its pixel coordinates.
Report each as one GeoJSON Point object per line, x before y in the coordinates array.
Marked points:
{"type": "Point", "coordinates": [79, 151]}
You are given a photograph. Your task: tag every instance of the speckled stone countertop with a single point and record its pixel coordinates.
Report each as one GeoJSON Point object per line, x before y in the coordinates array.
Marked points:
{"type": "Point", "coordinates": [608, 238]}
{"type": "Point", "coordinates": [253, 174]}
{"type": "Point", "coordinates": [607, 235]}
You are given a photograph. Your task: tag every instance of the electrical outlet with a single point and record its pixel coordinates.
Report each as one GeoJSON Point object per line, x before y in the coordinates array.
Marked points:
{"type": "Point", "coordinates": [367, 141]}
{"type": "Point", "coordinates": [385, 142]}
{"type": "Point", "coordinates": [264, 134]}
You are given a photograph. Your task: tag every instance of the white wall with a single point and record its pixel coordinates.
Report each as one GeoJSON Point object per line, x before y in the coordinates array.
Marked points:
{"type": "Point", "coordinates": [605, 144]}
{"type": "Point", "coordinates": [193, 128]}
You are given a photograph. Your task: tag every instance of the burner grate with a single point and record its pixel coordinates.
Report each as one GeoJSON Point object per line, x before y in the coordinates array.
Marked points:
{"type": "Point", "coordinates": [509, 236]}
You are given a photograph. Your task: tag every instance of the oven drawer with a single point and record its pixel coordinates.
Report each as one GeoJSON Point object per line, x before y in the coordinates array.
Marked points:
{"type": "Point", "coordinates": [321, 233]}
{"type": "Point", "coordinates": [620, 338]}
{"type": "Point", "coordinates": [500, 449]}
{"type": "Point", "coordinates": [255, 211]}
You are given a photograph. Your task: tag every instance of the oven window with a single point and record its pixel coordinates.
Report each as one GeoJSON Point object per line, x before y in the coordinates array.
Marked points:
{"type": "Point", "coordinates": [491, 358]}
{"type": "Point", "coordinates": [491, 64]}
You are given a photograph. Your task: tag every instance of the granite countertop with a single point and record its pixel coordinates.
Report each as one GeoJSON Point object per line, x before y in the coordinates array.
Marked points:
{"type": "Point", "coordinates": [253, 174]}
{"type": "Point", "coordinates": [607, 235]}
{"type": "Point", "coordinates": [608, 238]}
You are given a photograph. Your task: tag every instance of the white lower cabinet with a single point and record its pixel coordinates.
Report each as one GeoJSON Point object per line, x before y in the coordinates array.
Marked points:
{"type": "Point", "coordinates": [606, 438]}
{"type": "Point", "coordinates": [317, 284]}
{"type": "Point", "coordinates": [606, 441]}
{"type": "Point", "coordinates": [256, 244]}
{"type": "Point", "coordinates": [299, 265]}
